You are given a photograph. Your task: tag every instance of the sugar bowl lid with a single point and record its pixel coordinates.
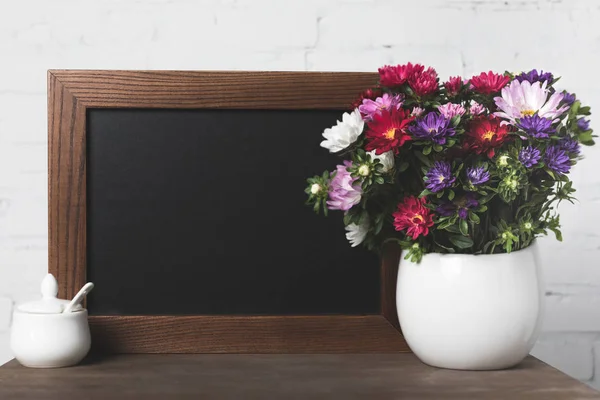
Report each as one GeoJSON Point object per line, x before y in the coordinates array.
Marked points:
{"type": "Point", "coordinates": [49, 303]}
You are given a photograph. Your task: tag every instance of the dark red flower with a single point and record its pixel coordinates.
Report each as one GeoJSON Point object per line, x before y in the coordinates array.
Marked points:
{"type": "Point", "coordinates": [371, 94]}
{"type": "Point", "coordinates": [392, 76]}
{"type": "Point", "coordinates": [424, 83]}
{"type": "Point", "coordinates": [413, 217]}
{"type": "Point", "coordinates": [453, 85]}
{"type": "Point", "coordinates": [388, 131]}
{"type": "Point", "coordinates": [489, 82]}
{"type": "Point", "coordinates": [484, 134]}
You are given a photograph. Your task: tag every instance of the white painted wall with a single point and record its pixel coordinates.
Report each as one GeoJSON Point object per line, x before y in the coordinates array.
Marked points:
{"type": "Point", "coordinates": [455, 36]}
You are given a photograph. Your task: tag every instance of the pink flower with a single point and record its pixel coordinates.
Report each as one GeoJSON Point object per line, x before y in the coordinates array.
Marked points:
{"type": "Point", "coordinates": [422, 82]}
{"type": "Point", "coordinates": [476, 108]}
{"type": "Point", "coordinates": [392, 76]}
{"type": "Point", "coordinates": [490, 82]}
{"type": "Point", "coordinates": [370, 108]}
{"type": "Point", "coordinates": [453, 85]}
{"type": "Point", "coordinates": [450, 110]}
{"type": "Point", "coordinates": [344, 191]}
{"type": "Point", "coordinates": [417, 111]}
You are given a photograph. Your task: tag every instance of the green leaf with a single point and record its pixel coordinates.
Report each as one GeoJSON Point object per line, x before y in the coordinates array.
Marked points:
{"type": "Point", "coordinates": [424, 193]}
{"type": "Point", "coordinates": [585, 136]}
{"type": "Point", "coordinates": [474, 217]}
{"type": "Point", "coordinates": [437, 147]}
{"type": "Point", "coordinates": [379, 180]}
{"type": "Point", "coordinates": [462, 242]}
{"type": "Point", "coordinates": [450, 195]}
{"type": "Point", "coordinates": [464, 227]}
{"type": "Point", "coordinates": [426, 150]}
{"type": "Point", "coordinates": [403, 166]}
{"type": "Point", "coordinates": [453, 228]}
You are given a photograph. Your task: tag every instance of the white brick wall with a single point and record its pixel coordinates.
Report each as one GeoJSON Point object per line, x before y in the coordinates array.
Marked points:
{"type": "Point", "coordinates": [346, 35]}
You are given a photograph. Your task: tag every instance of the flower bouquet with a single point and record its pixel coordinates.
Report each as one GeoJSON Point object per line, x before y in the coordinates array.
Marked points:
{"type": "Point", "coordinates": [473, 166]}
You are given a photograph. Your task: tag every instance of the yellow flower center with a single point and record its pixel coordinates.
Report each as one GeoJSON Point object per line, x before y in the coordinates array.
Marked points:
{"type": "Point", "coordinates": [441, 178]}
{"type": "Point", "coordinates": [527, 113]}
{"type": "Point", "coordinates": [390, 133]}
{"type": "Point", "coordinates": [418, 219]}
{"type": "Point", "coordinates": [488, 135]}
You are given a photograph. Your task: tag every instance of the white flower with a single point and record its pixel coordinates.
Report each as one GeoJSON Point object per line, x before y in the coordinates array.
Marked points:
{"type": "Point", "coordinates": [386, 159]}
{"type": "Point", "coordinates": [356, 233]}
{"type": "Point", "coordinates": [521, 99]}
{"type": "Point", "coordinates": [345, 133]}
{"type": "Point", "coordinates": [315, 188]}
{"type": "Point", "coordinates": [363, 170]}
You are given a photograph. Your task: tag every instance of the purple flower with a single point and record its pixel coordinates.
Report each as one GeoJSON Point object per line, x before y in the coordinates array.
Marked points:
{"type": "Point", "coordinates": [529, 156]}
{"type": "Point", "coordinates": [434, 127]}
{"type": "Point", "coordinates": [569, 145]}
{"type": "Point", "coordinates": [583, 124]}
{"type": "Point", "coordinates": [344, 191]}
{"type": "Point", "coordinates": [557, 159]}
{"type": "Point", "coordinates": [568, 98]}
{"type": "Point", "coordinates": [533, 76]}
{"type": "Point", "coordinates": [369, 108]}
{"type": "Point", "coordinates": [477, 175]}
{"type": "Point", "coordinates": [440, 177]}
{"type": "Point", "coordinates": [461, 205]}
{"type": "Point", "coordinates": [536, 126]}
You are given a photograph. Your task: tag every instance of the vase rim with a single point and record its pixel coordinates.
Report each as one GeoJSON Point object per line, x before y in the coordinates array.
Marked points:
{"type": "Point", "coordinates": [533, 244]}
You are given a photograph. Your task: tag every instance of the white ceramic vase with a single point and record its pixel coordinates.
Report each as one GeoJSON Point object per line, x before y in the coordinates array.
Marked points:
{"type": "Point", "coordinates": [473, 312]}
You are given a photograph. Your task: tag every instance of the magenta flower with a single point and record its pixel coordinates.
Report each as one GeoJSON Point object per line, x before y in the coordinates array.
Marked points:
{"type": "Point", "coordinates": [450, 110]}
{"type": "Point", "coordinates": [476, 108]}
{"type": "Point", "coordinates": [344, 191]}
{"type": "Point", "coordinates": [369, 108]}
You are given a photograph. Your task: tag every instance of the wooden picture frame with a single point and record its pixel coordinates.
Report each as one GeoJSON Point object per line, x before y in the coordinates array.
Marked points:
{"type": "Point", "coordinates": [72, 92]}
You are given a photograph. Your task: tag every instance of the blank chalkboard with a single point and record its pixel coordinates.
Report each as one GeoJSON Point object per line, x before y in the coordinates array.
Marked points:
{"type": "Point", "coordinates": [202, 211]}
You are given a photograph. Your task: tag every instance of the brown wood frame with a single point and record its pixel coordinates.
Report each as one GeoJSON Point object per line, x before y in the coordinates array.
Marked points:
{"type": "Point", "coordinates": [72, 92]}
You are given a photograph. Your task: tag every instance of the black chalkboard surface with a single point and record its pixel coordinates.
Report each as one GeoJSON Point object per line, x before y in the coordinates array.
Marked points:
{"type": "Point", "coordinates": [202, 211]}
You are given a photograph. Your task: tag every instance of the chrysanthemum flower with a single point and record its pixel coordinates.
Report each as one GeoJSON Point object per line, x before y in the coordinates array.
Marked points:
{"type": "Point", "coordinates": [369, 108]}
{"type": "Point", "coordinates": [367, 94]}
{"type": "Point", "coordinates": [477, 175]}
{"type": "Point", "coordinates": [487, 83]}
{"type": "Point", "coordinates": [433, 127]}
{"type": "Point", "coordinates": [484, 134]}
{"type": "Point", "coordinates": [557, 159]}
{"type": "Point", "coordinates": [568, 99]}
{"type": "Point", "coordinates": [521, 99]}
{"type": "Point", "coordinates": [461, 205]}
{"type": "Point", "coordinates": [450, 110]}
{"type": "Point", "coordinates": [392, 76]}
{"type": "Point", "coordinates": [343, 134]}
{"type": "Point", "coordinates": [476, 108]}
{"type": "Point", "coordinates": [356, 233]}
{"type": "Point", "coordinates": [534, 76]}
{"type": "Point", "coordinates": [529, 156]}
{"type": "Point", "coordinates": [417, 111]}
{"type": "Point", "coordinates": [453, 85]}
{"type": "Point", "coordinates": [424, 83]}
{"type": "Point", "coordinates": [570, 145]}
{"type": "Point", "coordinates": [439, 177]}
{"type": "Point", "coordinates": [385, 159]}
{"type": "Point", "coordinates": [536, 126]}
{"type": "Point", "coordinates": [344, 190]}
{"type": "Point", "coordinates": [583, 124]}
{"type": "Point", "coordinates": [388, 131]}
{"type": "Point", "coordinates": [413, 217]}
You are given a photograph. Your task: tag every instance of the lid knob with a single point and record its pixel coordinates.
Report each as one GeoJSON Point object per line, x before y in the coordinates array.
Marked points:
{"type": "Point", "coordinates": [49, 287]}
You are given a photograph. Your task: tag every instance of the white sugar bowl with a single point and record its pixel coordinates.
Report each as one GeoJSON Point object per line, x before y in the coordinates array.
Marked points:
{"type": "Point", "coordinates": [48, 334]}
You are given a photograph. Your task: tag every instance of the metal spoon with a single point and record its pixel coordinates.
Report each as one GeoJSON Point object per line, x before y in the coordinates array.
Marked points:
{"type": "Point", "coordinates": [79, 297]}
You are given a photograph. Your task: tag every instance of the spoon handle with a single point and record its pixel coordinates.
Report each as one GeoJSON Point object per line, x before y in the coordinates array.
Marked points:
{"type": "Point", "coordinates": [79, 297]}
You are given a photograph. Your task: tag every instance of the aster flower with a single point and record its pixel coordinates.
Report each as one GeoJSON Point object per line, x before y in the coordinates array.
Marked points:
{"type": "Point", "coordinates": [367, 94]}
{"type": "Point", "coordinates": [417, 111]}
{"type": "Point", "coordinates": [413, 217]}
{"type": "Point", "coordinates": [370, 108]}
{"type": "Point", "coordinates": [484, 134]}
{"type": "Point", "coordinates": [570, 145]}
{"type": "Point", "coordinates": [557, 159]}
{"type": "Point", "coordinates": [434, 127]}
{"type": "Point", "coordinates": [439, 177]}
{"type": "Point", "coordinates": [529, 156]}
{"type": "Point", "coordinates": [476, 108]}
{"type": "Point", "coordinates": [343, 134]}
{"type": "Point", "coordinates": [521, 99]}
{"type": "Point", "coordinates": [392, 76]}
{"type": "Point", "coordinates": [453, 85]}
{"type": "Point", "coordinates": [536, 126]}
{"type": "Point", "coordinates": [568, 98]}
{"type": "Point", "coordinates": [583, 124]}
{"type": "Point", "coordinates": [487, 83]}
{"type": "Point", "coordinates": [388, 131]}
{"type": "Point", "coordinates": [461, 205]}
{"type": "Point", "coordinates": [423, 83]}
{"type": "Point", "coordinates": [533, 76]}
{"type": "Point", "coordinates": [344, 190]}
{"type": "Point", "coordinates": [356, 234]}
{"type": "Point", "coordinates": [450, 110]}
{"type": "Point", "coordinates": [385, 159]}
{"type": "Point", "coordinates": [477, 175]}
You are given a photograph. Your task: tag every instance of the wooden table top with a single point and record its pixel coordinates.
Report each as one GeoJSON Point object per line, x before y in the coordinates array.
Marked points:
{"type": "Point", "coordinates": [351, 376]}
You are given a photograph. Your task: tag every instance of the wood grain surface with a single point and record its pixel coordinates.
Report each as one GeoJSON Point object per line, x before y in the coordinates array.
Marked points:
{"type": "Point", "coordinates": [226, 376]}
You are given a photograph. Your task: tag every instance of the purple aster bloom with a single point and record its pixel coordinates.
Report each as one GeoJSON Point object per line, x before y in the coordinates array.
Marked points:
{"type": "Point", "coordinates": [529, 156]}
{"type": "Point", "coordinates": [536, 126]}
{"type": "Point", "coordinates": [434, 127]}
{"type": "Point", "coordinates": [583, 124]}
{"type": "Point", "coordinates": [569, 145]}
{"type": "Point", "coordinates": [440, 177]}
{"type": "Point", "coordinates": [568, 98]}
{"type": "Point", "coordinates": [369, 108]}
{"type": "Point", "coordinates": [461, 205]}
{"type": "Point", "coordinates": [477, 175]}
{"type": "Point", "coordinates": [344, 191]}
{"type": "Point", "coordinates": [533, 76]}
{"type": "Point", "coordinates": [557, 159]}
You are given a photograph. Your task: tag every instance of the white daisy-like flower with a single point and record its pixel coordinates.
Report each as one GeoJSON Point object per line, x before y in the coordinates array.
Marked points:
{"type": "Point", "coordinates": [342, 135]}
{"type": "Point", "coordinates": [521, 99]}
{"type": "Point", "coordinates": [356, 233]}
{"type": "Point", "coordinates": [386, 159]}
